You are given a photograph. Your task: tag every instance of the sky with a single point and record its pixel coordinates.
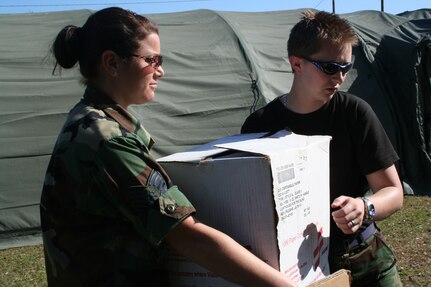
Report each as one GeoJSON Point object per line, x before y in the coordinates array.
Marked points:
{"type": "Point", "coordinates": [169, 6]}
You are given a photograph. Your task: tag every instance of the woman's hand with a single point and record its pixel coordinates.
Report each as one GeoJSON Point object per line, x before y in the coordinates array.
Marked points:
{"type": "Point", "coordinates": [349, 214]}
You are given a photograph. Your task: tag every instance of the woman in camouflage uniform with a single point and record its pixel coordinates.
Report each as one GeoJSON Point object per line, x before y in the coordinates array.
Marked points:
{"type": "Point", "coordinates": [108, 210]}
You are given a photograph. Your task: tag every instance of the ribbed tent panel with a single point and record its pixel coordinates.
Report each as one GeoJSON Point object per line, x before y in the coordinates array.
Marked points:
{"type": "Point", "coordinates": [219, 66]}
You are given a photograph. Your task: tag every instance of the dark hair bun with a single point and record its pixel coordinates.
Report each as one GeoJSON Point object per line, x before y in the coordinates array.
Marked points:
{"type": "Point", "coordinates": [66, 46]}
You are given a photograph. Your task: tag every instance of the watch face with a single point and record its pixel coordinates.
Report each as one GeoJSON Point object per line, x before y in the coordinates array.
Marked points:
{"type": "Point", "coordinates": [371, 210]}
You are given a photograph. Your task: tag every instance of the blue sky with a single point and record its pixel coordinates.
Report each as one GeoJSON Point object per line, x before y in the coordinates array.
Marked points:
{"type": "Point", "coordinates": [168, 6]}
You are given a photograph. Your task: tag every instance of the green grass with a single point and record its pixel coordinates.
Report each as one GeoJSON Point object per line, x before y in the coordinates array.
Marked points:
{"type": "Point", "coordinates": [22, 267]}
{"type": "Point", "coordinates": [408, 232]}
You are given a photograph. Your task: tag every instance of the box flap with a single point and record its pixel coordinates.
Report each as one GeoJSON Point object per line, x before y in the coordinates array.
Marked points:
{"type": "Point", "coordinates": [254, 143]}
{"type": "Point", "coordinates": [268, 145]}
{"type": "Point", "coordinates": [210, 149]}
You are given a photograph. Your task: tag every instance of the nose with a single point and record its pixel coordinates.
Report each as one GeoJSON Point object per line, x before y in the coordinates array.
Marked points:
{"type": "Point", "coordinates": [159, 72]}
{"type": "Point", "coordinates": [339, 77]}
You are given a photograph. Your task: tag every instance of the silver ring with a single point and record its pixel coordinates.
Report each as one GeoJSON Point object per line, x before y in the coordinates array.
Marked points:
{"type": "Point", "coordinates": [352, 223]}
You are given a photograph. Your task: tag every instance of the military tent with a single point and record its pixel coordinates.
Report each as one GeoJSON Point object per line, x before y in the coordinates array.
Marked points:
{"type": "Point", "coordinates": [220, 66]}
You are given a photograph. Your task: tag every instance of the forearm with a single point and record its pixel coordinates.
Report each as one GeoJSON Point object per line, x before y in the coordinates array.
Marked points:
{"type": "Point", "coordinates": [222, 255]}
{"type": "Point", "coordinates": [386, 201]}
{"type": "Point", "coordinates": [387, 190]}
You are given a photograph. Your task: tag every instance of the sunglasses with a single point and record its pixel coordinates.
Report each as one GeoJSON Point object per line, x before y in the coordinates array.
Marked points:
{"type": "Point", "coordinates": [331, 68]}
{"type": "Point", "coordinates": [154, 61]}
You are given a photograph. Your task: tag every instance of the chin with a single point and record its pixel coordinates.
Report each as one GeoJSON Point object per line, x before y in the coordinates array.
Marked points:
{"type": "Point", "coordinates": [329, 95]}
{"type": "Point", "coordinates": [146, 98]}
{"type": "Point", "coordinates": [150, 98]}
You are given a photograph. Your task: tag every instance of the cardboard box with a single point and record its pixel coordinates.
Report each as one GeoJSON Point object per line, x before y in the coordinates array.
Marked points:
{"type": "Point", "coordinates": [270, 194]}
{"type": "Point", "coordinates": [341, 278]}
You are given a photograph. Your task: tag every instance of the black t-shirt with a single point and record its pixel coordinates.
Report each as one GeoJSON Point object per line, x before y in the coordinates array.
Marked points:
{"type": "Point", "coordinates": [359, 144]}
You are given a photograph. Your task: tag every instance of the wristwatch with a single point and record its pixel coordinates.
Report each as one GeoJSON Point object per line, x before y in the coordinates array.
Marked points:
{"type": "Point", "coordinates": [369, 209]}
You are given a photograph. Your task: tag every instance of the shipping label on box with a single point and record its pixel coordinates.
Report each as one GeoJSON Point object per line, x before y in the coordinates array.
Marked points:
{"type": "Point", "coordinates": [270, 194]}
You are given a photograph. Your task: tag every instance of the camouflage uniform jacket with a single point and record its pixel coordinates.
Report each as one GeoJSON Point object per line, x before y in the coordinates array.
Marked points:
{"type": "Point", "coordinates": [106, 205]}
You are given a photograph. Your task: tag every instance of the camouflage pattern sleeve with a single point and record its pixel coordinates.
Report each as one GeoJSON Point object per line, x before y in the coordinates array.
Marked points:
{"type": "Point", "coordinates": [131, 180]}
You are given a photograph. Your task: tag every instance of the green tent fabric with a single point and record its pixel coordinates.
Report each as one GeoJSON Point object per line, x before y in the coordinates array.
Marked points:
{"type": "Point", "coordinates": [220, 66]}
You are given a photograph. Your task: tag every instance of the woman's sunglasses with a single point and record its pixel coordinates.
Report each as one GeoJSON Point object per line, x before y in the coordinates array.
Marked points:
{"type": "Point", "coordinates": [154, 61]}
{"type": "Point", "coordinates": [331, 68]}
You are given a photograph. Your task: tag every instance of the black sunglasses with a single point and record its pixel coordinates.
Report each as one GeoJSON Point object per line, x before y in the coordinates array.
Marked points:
{"type": "Point", "coordinates": [154, 61]}
{"type": "Point", "coordinates": [331, 68]}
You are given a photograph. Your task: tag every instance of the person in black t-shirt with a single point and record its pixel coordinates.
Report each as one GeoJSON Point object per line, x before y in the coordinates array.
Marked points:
{"type": "Point", "coordinates": [361, 155]}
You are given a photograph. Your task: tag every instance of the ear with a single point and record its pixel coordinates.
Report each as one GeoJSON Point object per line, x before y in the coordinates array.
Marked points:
{"type": "Point", "coordinates": [110, 63]}
{"type": "Point", "coordinates": [296, 64]}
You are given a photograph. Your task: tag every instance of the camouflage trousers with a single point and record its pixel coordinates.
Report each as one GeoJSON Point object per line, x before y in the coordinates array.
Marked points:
{"type": "Point", "coordinates": [372, 264]}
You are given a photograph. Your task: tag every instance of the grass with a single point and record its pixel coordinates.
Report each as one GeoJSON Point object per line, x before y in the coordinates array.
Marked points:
{"type": "Point", "coordinates": [23, 267]}
{"type": "Point", "coordinates": [408, 232]}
